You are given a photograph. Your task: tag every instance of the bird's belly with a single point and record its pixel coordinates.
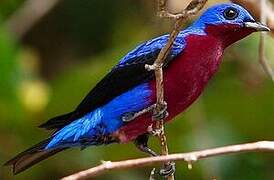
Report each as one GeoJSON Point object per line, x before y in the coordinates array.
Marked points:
{"type": "Point", "coordinates": [184, 80]}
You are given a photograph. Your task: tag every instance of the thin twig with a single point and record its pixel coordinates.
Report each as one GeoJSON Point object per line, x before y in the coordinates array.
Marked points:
{"type": "Point", "coordinates": [191, 9]}
{"type": "Point", "coordinates": [263, 10]}
{"type": "Point", "coordinates": [262, 59]}
{"type": "Point", "coordinates": [261, 146]}
{"type": "Point", "coordinates": [152, 174]}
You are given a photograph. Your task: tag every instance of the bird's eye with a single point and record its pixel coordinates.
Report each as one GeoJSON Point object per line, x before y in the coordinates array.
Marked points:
{"type": "Point", "coordinates": [231, 13]}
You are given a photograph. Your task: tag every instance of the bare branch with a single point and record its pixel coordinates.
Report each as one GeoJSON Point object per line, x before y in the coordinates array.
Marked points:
{"type": "Point", "coordinates": [263, 10]}
{"type": "Point", "coordinates": [28, 15]}
{"type": "Point", "coordinates": [261, 146]}
{"type": "Point", "coordinates": [262, 59]}
{"type": "Point", "coordinates": [191, 9]}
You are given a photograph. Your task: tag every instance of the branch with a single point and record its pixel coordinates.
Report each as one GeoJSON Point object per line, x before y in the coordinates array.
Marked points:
{"type": "Point", "coordinates": [263, 10]}
{"type": "Point", "coordinates": [191, 9]}
{"type": "Point", "coordinates": [28, 15]}
{"type": "Point", "coordinates": [261, 146]}
{"type": "Point", "coordinates": [262, 58]}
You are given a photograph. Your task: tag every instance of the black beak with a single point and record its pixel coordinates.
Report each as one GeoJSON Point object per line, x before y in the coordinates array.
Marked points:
{"type": "Point", "coordinates": [257, 26]}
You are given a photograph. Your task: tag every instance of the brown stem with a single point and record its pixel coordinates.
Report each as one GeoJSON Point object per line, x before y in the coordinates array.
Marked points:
{"type": "Point", "coordinates": [261, 146]}
{"type": "Point", "coordinates": [191, 9]}
{"type": "Point", "coordinates": [262, 58]}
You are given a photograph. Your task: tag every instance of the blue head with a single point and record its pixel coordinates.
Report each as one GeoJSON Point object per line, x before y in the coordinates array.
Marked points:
{"type": "Point", "coordinates": [229, 22]}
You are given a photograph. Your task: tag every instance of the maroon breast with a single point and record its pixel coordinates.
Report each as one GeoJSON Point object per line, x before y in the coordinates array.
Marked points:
{"type": "Point", "coordinates": [184, 80]}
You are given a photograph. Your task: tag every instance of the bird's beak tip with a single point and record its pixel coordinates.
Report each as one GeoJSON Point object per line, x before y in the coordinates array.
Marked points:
{"type": "Point", "coordinates": [257, 26]}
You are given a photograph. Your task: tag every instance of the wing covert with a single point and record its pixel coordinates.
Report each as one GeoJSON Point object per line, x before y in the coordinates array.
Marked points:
{"type": "Point", "coordinates": [128, 73]}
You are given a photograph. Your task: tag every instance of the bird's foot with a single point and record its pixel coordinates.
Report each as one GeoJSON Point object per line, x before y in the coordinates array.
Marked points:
{"type": "Point", "coordinates": [127, 117]}
{"type": "Point", "coordinates": [146, 149]}
{"type": "Point", "coordinates": [154, 132]}
{"type": "Point", "coordinates": [156, 113]}
{"type": "Point", "coordinates": [160, 114]}
{"type": "Point", "coordinates": [141, 144]}
{"type": "Point", "coordinates": [168, 170]}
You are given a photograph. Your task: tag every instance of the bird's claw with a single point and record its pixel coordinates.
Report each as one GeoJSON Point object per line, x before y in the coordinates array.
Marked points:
{"type": "Point", "coordinates": [168, 170]}
{"type": "Point", "coordinates": [162, 114]}
{"type": "Point", "coordinates": [155, 132]}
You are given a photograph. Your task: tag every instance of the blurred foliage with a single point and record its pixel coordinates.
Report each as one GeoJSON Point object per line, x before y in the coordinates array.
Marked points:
{"type": "Point", "coordinates": [7, 7]}
{"type": "Point", "coordinates": [67, 52]}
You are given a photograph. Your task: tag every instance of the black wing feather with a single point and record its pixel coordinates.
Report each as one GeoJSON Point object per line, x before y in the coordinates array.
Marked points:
{"type": "Point", "coordinates": [122, 78]}
{"type": "Point", "coordinates": [31, 156]}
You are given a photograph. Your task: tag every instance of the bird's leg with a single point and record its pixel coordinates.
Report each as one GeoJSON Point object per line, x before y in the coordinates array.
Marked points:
{"type": "Point", "coordinates": [141, 144]}
{"type": "Point", "coordinates": [162, 114]}
{"type": "Point", "coordinates": [127, 117]}
{"type": "Point", "coordinates": [168, 169]}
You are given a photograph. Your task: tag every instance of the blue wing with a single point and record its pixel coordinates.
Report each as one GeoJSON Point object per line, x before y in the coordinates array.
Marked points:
{"type": "Point", "coordinates": [124, 89]}
{"type": "Point", "coordinates": [145, 49]}
{"type": "Point", "coordinates": [128, 73]}
{"type": "Point", "coordinates": [95, 126]}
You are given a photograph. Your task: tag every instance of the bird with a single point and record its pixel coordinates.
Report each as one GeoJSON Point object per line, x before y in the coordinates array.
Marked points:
{"type": "Point", "coordinates": [119, 109]}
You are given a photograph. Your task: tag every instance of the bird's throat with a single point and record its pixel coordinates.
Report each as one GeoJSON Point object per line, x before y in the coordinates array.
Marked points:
{"type": "Point", "coordinates": [227, 33]}
{"type": "Point", "coordinates": [189, 73]}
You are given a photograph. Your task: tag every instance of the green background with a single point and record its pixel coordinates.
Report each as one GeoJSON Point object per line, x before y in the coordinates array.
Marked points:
{"type": "Point", "coordinates": [52, 67]}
